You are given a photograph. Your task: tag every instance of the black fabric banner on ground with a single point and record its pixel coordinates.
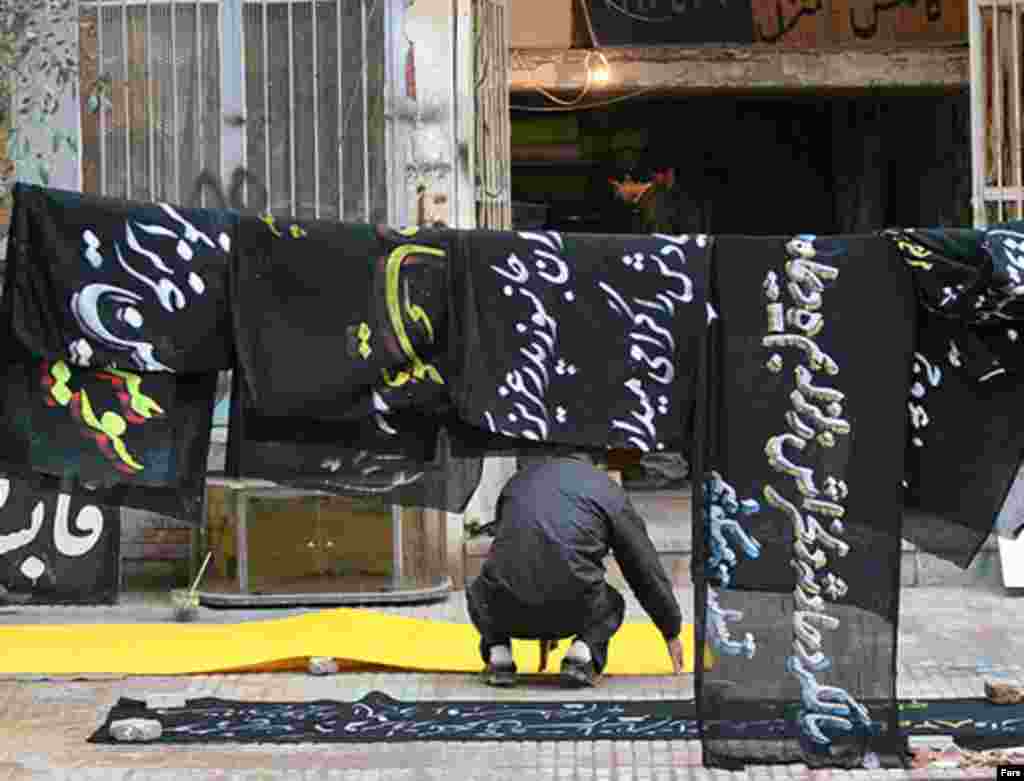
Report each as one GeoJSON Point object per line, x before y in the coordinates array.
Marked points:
{"type": "Point", "coordinates": [104, 282]}
{"type": "Point", "coordinates": [139, 440]}
{"type": "Point", "coordinates": [57, 547]}
{"type": "Point", "coordinates": [669, 22]}
{"type": "Point", "coordinates": [378, 717]}
{"type": "Point", "coordinates": [798, 559]}
{"type": "Point", "coordinates": [966, 434]}
{"type": "Point", "coordinates": [338, 321]}
{"type": "Point", "coordinates": [579, 339]}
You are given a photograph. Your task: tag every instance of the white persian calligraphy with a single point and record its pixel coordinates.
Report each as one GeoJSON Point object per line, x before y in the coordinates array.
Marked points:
{"type": "Point", "coordinates": [825, 709]}
{"type": "Point", "coordinates": [651, 343]}
{"type": "Point", "coordinates": [523, 393]}
{"type": "Point", "coordinates": [67, 539]}
{"type": "Point", "coordinates": [926, 375]}
{"type": "Point", "coordinates": [89, 519]}
{"type": "Point", "coordinates": [19, 539]}
{"type": "Point", "coordinates": [722, 528]}
{"type": "Point", "coordinates": [111, 314]}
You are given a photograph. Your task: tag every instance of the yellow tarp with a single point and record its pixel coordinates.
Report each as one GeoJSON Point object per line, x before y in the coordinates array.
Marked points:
{"type": "Point", "coordinates": [357, 638]}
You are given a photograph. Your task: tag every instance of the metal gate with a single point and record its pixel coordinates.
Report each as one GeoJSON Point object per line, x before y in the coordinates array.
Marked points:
{"type": "Point", "coordinates": [493, 118]}
{"type": "Point", "coordinates": [996, 104]}
{"type": "Point", "coordinates": [266, 105]}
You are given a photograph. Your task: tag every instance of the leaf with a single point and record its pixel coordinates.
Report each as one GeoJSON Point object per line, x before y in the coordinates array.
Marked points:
{"type": "Point", "coordinates": [44, 175]}
{"type": "Point", "coordinates": [57, 138]}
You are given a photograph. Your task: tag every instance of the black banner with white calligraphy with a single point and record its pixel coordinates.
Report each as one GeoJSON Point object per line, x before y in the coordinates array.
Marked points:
{"type": "Point", "coordinates": [966, 433]}
{"type": "Point", "coordinates": [653, 22]}
{"type": "Point", "coordinates": [408, 462]}
{"type": "Point", "coordinates": [378, 717]}
{"type": "Point", "coordinates": [800, 546]}
{"type": "Point", "coordinates": [103, 282]}
{"type": "Point", "coordinates": [57, 547]}
{"type": "Point", "coordinates": [577, 339]}
{"type": "Point", "coordinates": [338, 321]}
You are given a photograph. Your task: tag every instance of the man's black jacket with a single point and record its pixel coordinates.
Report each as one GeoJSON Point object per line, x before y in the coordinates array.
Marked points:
{"type": "Point", "coordinates": [557, 520]}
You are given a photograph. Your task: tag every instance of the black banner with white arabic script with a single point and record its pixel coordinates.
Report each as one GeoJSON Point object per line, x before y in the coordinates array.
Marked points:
{"type": "Point", "coordinates": [653, 22]}
{"type": "Point", "coordinates": [378, 717]}
{"type": "Point", "coordinates": [56, 547]}
{"type": "Point", "coordinates": [800, 547]}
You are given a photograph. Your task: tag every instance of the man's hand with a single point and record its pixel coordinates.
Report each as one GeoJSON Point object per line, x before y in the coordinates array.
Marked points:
{"type": "Point", "coordinates": [675, 652]}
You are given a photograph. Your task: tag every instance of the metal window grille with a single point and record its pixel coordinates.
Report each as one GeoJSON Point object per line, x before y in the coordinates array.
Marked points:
{"type": "Point", "coordinates": [280, 106]}
{"type": "Point", "coordinates": [996, 104]}
{"type": "Point", "coordinates": [493, 118]}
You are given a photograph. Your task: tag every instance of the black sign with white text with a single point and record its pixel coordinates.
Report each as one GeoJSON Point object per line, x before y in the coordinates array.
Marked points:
{"type": "Point", "coordinates": [653, 22]}
{"type": "Point", "coordinates": [56, 547]}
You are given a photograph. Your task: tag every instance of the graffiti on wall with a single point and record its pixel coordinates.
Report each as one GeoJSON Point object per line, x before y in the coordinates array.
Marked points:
{"type": "Point", "coordinates": [817, 22]}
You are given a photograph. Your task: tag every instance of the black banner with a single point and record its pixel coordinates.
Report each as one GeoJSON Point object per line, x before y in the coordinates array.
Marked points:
{"type": "Point", "coordinates": [378, 717]}
{"type": "Point", "coordinates": [56, 547]}
{"type": "Point", "coordinates": [653, 22]}
{"type": "Point", "coordinates": [139, 438]}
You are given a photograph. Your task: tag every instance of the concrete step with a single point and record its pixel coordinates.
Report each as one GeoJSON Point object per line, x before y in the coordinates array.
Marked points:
{"type": "Point", "coordinates": [667, 514]}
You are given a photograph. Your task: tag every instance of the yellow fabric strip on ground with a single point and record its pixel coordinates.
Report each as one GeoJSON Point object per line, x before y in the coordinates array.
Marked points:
{"type": "Point", "coordinates": [355, 637]}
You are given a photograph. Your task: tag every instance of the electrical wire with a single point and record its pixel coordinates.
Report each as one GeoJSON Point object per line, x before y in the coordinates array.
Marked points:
{"type": "Point", "coordinates": [586, 84]}
{"type": "Point", "coordinates": [575, 104]}
{"type": "Point", "coordinates": [590, 24]}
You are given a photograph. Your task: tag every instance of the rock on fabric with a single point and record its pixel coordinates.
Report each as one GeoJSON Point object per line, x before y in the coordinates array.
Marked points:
{"type": "Point", "coordinates": [103, 282]}
{"type": "Point", "coordinates": [57, 547]}
{"type": "Point", "coordinates": [576, 338]}
{"type": "Point", "coordinates": [797, 561]}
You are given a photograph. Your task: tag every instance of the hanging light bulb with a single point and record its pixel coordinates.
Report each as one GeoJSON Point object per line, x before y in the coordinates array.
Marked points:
{"type": "Point", "coordinates": [600, 73]}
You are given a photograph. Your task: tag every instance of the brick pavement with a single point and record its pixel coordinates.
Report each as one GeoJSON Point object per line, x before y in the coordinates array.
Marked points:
{"type": "Point", "coordinates": [952, 639]}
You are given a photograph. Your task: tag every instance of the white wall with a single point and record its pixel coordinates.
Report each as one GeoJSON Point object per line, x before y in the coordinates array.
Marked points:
{"type": "Point", "coordinates": [442, 116]}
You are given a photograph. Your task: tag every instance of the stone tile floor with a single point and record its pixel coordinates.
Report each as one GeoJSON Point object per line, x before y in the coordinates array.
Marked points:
{"type": "Point", "coordinates": [952, 640]}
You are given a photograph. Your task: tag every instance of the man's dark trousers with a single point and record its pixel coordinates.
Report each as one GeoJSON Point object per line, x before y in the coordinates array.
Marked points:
{"type": "Point", "coordinates": [498, 616]}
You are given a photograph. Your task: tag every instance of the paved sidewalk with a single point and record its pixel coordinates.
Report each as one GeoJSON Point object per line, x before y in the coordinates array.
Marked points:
{"type": "Point", "coordinates": [952, 640]}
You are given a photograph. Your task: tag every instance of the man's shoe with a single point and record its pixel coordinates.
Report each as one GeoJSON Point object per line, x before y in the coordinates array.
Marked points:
{"type": "Point", "coordinates": [500, 675]}
{"type": "Point", "coordinates": [501, 669]}
{"type": "Point", "coordinates": [578, 674]}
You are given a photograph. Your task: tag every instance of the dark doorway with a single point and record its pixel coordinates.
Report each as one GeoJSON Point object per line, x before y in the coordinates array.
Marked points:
{"type": "Point", "coordinates": [756, 166]}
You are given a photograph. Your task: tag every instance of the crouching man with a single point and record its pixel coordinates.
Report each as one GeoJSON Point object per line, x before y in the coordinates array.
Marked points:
{"type": "Point", "coordinates": [544, 578]}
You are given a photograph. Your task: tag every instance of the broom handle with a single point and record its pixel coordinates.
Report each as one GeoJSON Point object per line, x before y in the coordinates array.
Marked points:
{"type": "Point", "coordinates": [202, 569]}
